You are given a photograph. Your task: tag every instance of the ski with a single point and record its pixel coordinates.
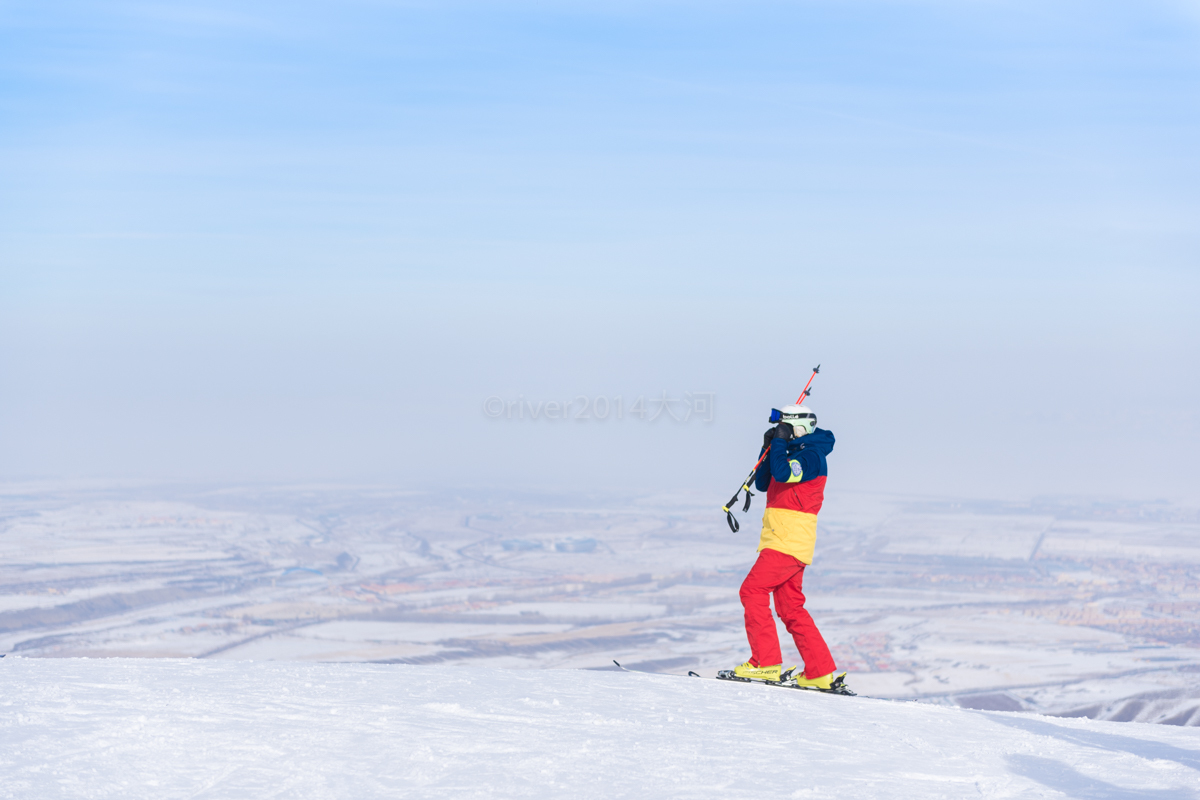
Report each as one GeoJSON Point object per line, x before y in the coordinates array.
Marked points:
{"type": "Point", "coordinates": [787, 682]}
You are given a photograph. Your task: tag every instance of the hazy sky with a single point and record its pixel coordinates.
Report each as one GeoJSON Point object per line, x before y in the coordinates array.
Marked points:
{"type": "Point", "coordinates": [286, 242]}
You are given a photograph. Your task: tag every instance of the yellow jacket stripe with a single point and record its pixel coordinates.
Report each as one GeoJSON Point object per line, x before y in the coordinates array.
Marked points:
{"type": "Point", "coordinates": [791, 532]}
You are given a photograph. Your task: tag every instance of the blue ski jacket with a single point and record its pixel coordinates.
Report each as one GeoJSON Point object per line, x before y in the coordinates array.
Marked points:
{"type": "Point", "coordinates": [803, 458]}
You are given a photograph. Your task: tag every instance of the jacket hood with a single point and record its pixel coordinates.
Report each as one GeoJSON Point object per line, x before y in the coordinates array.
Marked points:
{"type": "Point", "coordinates": [820, 440]}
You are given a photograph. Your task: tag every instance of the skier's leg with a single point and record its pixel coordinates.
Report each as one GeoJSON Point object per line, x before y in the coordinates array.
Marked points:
{"type": "Point", "coordinates": [756, 590]}
{"type": "Point", "coordinates": [789, 602]}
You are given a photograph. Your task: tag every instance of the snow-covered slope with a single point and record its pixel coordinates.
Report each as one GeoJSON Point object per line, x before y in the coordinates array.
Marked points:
{"type": "Point", "coordinates": [130, 728]}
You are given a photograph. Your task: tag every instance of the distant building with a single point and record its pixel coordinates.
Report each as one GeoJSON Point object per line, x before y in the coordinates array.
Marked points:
{"type": "Point", "coordinates": [576, 545]}
{"type": "Point", "coordinates": [520, 544]}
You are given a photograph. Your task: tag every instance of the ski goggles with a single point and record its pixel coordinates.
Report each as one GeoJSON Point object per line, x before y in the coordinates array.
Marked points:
{"type": "Point", "coordinates": [777, 416]}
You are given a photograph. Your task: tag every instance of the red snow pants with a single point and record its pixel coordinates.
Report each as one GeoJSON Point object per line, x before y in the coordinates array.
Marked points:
{"type": "Point", "coordinates": [782, 574]}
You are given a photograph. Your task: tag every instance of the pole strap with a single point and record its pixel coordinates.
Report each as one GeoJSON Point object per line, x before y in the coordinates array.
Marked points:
{"type": "Point", "coordinates": [733, 523]}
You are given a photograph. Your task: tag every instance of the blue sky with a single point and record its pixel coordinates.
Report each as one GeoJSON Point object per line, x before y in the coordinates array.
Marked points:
{"type": "Point", "coordinates": [305, 242]}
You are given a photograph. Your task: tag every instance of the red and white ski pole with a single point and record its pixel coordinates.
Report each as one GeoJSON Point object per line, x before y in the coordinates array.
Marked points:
{"type": "Point", "coordinates": [732, 520]}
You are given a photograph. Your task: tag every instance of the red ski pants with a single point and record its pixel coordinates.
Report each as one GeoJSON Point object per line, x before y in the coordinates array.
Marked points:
{"type": "Point", "coordinates": [782, 574]}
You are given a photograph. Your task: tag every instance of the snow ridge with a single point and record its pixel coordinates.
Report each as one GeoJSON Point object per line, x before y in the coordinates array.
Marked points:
{"type": "Point", "coordinates": [131, 728]}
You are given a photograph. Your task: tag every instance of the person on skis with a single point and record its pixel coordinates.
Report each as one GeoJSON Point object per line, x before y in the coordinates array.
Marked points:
{"type": "Point", "coordinates": [793, 476]}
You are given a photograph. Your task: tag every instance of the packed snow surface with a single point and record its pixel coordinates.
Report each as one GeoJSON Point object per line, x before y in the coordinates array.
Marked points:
{"type": "Point", "coordinates": [129, 728]}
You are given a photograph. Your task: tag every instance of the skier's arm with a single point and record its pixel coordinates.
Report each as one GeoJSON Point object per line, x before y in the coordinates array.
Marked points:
{"type": "Point", "coordinates": [794, 469]}
{"type": "Point", "coordinates": [781, 470]}
{"type": "Point", "coordinates": [809, 462]}
{"type": "Point", "coordinates": [762, 475]}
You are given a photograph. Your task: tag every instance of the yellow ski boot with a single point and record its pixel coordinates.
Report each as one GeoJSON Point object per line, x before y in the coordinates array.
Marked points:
{"type": "Point", "coordinates": [748, 671]}
{"type": "Point", "coordinates": [824, 683]}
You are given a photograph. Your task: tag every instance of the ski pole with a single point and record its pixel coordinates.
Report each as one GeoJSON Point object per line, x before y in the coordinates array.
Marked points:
{"type": "Point", "coordinates": [732, 520]}
{"type": "Point", "coordinates": [806, 392]}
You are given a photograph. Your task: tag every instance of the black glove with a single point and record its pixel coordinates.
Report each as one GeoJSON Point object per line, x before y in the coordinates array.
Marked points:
{"type": "Point", "coordinates": [768, 436]}
{"type": "Point", "coordinates": [784, 431]}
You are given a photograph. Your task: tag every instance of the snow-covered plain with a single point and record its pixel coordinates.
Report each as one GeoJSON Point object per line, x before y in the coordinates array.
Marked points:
{"type": "Point", "coordinates": [167, 728]}
{"type": "Point", "coordinates": [1078, 609]}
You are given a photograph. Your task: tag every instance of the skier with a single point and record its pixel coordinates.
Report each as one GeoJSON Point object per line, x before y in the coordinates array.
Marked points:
{"type": "Point", "coordinates": [793, 476]}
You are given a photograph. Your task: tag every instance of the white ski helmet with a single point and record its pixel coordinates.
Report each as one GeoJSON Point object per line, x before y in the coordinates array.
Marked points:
{"type": "Point", "coordinates": [801, 418]}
